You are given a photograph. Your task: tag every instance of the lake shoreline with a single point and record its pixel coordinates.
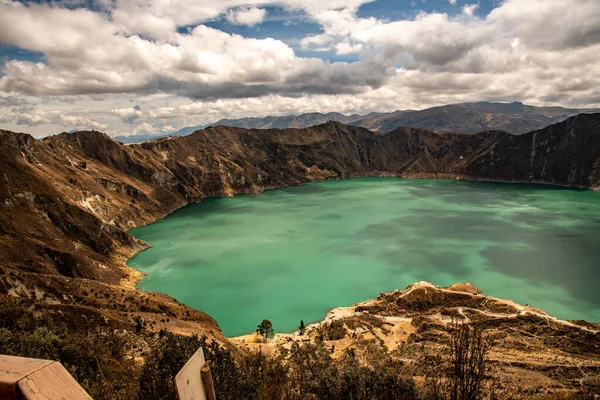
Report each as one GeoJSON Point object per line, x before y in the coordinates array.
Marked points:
{"type": "Point", "coordinates": [316, 318]}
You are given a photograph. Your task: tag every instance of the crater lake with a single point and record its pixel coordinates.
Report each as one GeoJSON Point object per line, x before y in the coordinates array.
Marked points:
{"type": "Point", "coordinates": [292, 254]}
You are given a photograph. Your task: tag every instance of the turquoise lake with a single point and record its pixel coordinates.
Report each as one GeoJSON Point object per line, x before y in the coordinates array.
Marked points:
{"type": "Point", "coordinates": [292, 254]}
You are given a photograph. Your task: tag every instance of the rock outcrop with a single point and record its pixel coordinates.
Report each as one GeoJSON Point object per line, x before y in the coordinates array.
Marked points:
{"type": "Point", "coordinates": [534, 354]}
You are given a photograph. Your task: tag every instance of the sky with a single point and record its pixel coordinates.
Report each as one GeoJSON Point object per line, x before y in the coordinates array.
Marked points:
{"type": "Point", "coordinates": [139, 67]}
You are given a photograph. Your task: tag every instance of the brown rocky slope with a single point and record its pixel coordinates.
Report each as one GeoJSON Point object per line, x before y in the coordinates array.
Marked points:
{"type": "Point", "coordinates": [66, 202]}
{"type": "Point", "coordinates": [534, 356]}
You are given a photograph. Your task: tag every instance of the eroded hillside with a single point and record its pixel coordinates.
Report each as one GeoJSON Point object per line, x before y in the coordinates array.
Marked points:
{"type": "Point", "coordinates": [534, 355]}
{"type": "Point", "coordinates": [67, 202]}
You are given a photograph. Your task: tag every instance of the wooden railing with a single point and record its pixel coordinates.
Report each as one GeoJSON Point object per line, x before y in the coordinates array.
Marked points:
{"type": "Point", "coordinates": [194, 381]}
{"type": "Point", "coordinates": [33, 379]}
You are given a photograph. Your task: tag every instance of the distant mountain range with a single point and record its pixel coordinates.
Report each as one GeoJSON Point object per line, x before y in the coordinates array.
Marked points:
{"type": "Point", "coordinates": [469, 118]}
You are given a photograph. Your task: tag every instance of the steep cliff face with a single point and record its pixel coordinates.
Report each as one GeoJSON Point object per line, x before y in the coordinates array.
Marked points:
{"type": "Point", "coordinates": [65, 206]}
{"type": "Point", "coordinates": [222, 161]}
{"type": "Point", "coordinates": [66, 202]}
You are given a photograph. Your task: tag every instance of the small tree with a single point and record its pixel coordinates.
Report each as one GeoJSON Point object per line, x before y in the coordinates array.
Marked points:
{"type": "Point", "coordinates": [265, 329]}
{"type": "Point", "coordinates": [301, 328]}
{"type": "Point", "coordinates": [138, 324]}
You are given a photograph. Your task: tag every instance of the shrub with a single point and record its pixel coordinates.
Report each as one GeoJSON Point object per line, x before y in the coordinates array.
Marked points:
{"type": "Point", "coordinates": [335, 330]}
{"type": "Point", "coordinates": [96, 358]}
{"type": "Point", "coordinates": [463, 375]}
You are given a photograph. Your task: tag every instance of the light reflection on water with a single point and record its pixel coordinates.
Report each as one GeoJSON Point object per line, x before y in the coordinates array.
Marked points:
{"type": "Point", "coordinates": [293, 253]}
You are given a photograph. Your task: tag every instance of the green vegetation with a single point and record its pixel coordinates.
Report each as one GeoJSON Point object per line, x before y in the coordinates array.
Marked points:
{"type": "Point", "coordinates": [265, 329]}
{"type": "Point", "coordinates": [106, 362]}
{"type": "Point", "coordinates": [304, 372]}
{"type": "Point", "coordinates": [314, 374]}
{"type": "Point", "coordinates": [301, 328]}
{"type": "Point", "coordinates": [95, 356]}
{"type": "Point", "coordinates": [99, 360]}
{"type": "Point", "coordinates": [334, 330]}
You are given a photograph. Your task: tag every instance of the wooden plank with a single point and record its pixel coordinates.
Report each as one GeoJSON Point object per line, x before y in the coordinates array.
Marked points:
{"type": "Point", "coordinates": [13, 369]}
{"type": "Point", "coordinates": [52, 382]}
{"type": "Point", "coordinates": [188, 381]}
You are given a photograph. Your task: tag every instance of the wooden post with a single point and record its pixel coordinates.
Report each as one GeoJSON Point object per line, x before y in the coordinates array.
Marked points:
{"type": "Point", "coordinates": [209, 386]}
{"type": "Point", "coordinates": [194, 381]}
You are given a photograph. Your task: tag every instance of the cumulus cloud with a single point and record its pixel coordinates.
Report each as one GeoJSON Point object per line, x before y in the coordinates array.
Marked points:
{"type": "Point", "coordinates": [146, 129]}
{"type": "Point", "coordinates": [469, 9]}
{"type": "Point", "coordinates": [549, 24]}
{"type": "Point", "coordinates": [11, 101]}
{"type": "Point", "coordinates": [128, 115]}
{"type": "Point", "coordinates": [34, 118]}
{"type": "Point", "coordinates": [135, 16]}
{"type": "Point", "coordinates": [246, 16]}
{"type": "Point", "coordinates": [539, 51]}
{"type": "Point", "coordinates": [204, 63]}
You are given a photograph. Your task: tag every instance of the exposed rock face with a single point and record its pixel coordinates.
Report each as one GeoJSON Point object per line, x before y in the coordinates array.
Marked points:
{"type": "Point", "coordinates": [534, 355]}
{"type": "Point", "coordinates": [66, 202]}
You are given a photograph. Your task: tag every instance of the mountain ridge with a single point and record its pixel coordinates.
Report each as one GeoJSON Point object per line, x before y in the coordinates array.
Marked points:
{"type": "Point", "coordinates": [470, 118]}
{"type": "Point", "coordinates": [80, 193]}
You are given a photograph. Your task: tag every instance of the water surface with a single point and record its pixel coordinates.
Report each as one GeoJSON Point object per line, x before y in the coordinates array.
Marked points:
{"type": "Point", "coordinates": [292, 254]}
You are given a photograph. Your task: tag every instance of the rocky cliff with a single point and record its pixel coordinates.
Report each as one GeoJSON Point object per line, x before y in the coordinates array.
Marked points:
{"type": "Point", "coordinates": [67, 202]}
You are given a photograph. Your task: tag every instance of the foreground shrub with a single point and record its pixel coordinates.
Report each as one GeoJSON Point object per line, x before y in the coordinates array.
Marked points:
{"type": "Point", "coordinates": [94, 356]}
{"type": "Point", "coordinates": [315, 375]}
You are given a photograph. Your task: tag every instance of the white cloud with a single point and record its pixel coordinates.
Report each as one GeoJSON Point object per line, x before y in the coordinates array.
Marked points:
{"type": "Point", "coordinates": [34, 118]}
{"type": "Point", "coordinates": [246, 16]}
{"type": "Point", "coordinates": [344, 48]}
{"type": "Point", "coordinates": [469, 9]}
{"type": "Point", "coordinates": [131, 13]}
{"type": "Point", "coordinates": [147, 129]}
{"type": "Point", "coordinates": [127, 115]}
{"type": "Point", "coordinates": [549, 24]}
{"type": "Point", "coordinates": [539, 52]}
{"type": "Point", "coordinates": [204, 63]}
{"type": "Point", "coordinates": [11, 101]}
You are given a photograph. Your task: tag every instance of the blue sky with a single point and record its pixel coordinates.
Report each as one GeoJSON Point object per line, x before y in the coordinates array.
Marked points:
{"type": "Point", "coordinates": [397, 10]}
{"type": "Point", "coordinates": [8, 52]}
{"type": "Point", "coordinates": [291, 26]}
{"type": "Point", "coordinates": [133, 67]}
